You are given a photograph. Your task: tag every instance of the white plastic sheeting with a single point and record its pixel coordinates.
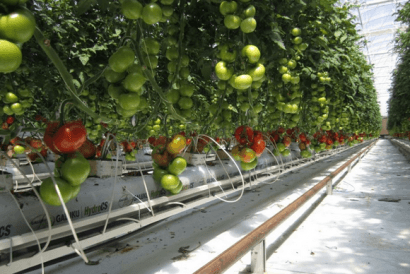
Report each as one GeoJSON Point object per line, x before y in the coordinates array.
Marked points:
{"type": "Point", "coordinates": [376, 22]}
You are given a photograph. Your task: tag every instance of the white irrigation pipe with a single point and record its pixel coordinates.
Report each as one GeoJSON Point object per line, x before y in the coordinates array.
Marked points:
{"type": "Point", "coordinates": [115, 182]}
{"type": "Point", "coordinates": [32, 231]}
{"type": "Point", "coordinates": [233, 160]}
{"type": "Point", "coordinates": [39, 198]}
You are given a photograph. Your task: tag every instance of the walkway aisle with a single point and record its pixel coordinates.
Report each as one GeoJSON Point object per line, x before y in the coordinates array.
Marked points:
{"type": "Point", "coordinates": [354, 230]}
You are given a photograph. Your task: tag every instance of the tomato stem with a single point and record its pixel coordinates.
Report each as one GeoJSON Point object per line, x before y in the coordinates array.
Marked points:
{"type": "Point", "coordinates": [165, 125]}
{"type": "Point", "coordinates": [181, 37]}
{"type": "Point", "coordinates": [62, 107]}
{"type": "Point", "coordinates": [152, 80]}
{"type": "Point", "coordinates": [205, 128]}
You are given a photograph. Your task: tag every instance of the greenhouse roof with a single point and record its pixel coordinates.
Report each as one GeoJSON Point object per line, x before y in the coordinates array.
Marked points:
{"type": "Point", "coordinates": [376, 22]}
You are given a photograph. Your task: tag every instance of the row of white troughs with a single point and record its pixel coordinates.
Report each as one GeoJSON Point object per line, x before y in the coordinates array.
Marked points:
{"type": "Point", "coordinates": [126, 203]}
{"type": "Point", "coordinates": [403, 145]}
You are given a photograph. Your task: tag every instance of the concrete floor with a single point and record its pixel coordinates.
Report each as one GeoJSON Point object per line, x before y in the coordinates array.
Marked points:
{"type": "Point", "coordinates": [354, 230]}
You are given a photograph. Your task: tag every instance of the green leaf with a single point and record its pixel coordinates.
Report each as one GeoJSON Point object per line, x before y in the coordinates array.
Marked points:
{"type": "Point", "coordinates": [275, 37]}
{"type": "Point", "coordinates": [117, 33]}
{"type": "Point", "coordinates": [344, 37]}
{"type": "Point", "coordinates": [345, 56]}
{"type": "Point", "coordinates": [338, 33]}
{"type": "Point", "coordinates": [300, 2]}
{"type": "Point", "coordinates": [283, 17]}
{"type": "Point", "coordinates": [306, 71]}
{"type": "Point", "coordinates": [313, 61]}
{"type": "Point", "coordinates": [84, 59]}
{"type": "Point", "coordinates": [81, 76]}
{"type": "Point", "coordinates": [362, 90]}
{"type": "Point", "coordinates": [350, 109]}
{"type": "Point", "coordinates": [76, 83]}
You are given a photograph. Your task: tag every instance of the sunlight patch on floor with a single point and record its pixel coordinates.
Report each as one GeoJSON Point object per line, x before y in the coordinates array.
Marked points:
{"type": "Point", "coordinates": [404, 234]}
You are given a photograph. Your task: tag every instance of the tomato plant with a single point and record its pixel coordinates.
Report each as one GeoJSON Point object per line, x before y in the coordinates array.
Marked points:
{"type": "Point", "coordinates": [142, 69]}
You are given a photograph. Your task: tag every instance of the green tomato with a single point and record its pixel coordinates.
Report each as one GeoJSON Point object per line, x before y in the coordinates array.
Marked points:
{"type": "Point", "coordinates": [296, 31]}
{"type": "Point", "coordinates": [286, 77]}
{"type": "Point", "coordinates": [16, 107]}
{"type": "Point", "coordinates": [283, 69]}
{"type": "Point", "coordinates": [177, 166]}
{"type": "Point", "coordinates": [75, 170]}
{"type": "Point", "coordinates": [8, 110]}
{"type": "Point", "coordinates": [292, 64]}
{"type": "Point", "coordinates": [129, 101]}
{"type": "Point", "coordinates": [49, 195]}
{"type": "Point", "coordinates": [18, 149]}
{"type": "Point", "coordinates": [11, 97]}
{"type": "Point", "coordinates": [297, 40]}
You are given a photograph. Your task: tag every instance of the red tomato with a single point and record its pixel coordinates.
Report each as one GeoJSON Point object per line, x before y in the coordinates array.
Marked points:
{"type": "Point", "coordinates": [5, 125]}
{"type": "Point", "coordinates": [161, 140]}
{"type": "Point", "coordinates": [43, 152]}
{"type": "Point", "coordinates": [244, 132]}
{"type": "Point", "coordinates": [127, 146]}
{"type": "Point", "coordinates": [286, 141]}
{"type": "Point", "coordinates": [204, 140]}
{"type": "Point", "coordinates": [70, 137]}
{"type": "Point", "coordinates": [10, 120]}
{"type": "Point", "coordinates": [243, 141]}
{"type": "Point", "coordinates": [32, 156]}
{"type": "Point", "coordinates": [258, 146]}
{"type": "Point", "coordinates": [257, 135]}
{"type": "Point", "coordinates": [275, 138]}
{"type": "Point", "coordinates": [35, 143]}
{"type": "Point", "coordinates": [88, 150]}
{"type": "Point", "coordinates": [151, 140]}
{"type": "Point", "coordinates": [15, 140]}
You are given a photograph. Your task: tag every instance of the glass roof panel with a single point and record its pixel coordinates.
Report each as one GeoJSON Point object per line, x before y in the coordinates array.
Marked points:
{"type": "Point", "coordinates": [375, 21]}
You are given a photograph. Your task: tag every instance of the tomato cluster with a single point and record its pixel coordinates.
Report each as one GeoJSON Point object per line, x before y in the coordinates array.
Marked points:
{"type": "Point", "coordinates": [69, 140]}
{"type": "Point", "coordinates": [251, 146]}
{"type": "Point", "coordinates": [168, 165]}
{"type": "Point", "coordinates": [16, 28]}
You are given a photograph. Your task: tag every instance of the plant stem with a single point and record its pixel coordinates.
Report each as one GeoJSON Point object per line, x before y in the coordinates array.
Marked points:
{"type": "Point", "coordinates": [67, 78]}
{"type": "Point", "coordinates": [153, 82]}
{"type": "Point", "coordinates": [181, 37]}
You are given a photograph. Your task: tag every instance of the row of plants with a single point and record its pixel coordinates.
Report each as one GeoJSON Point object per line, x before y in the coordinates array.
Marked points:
{"type": "Point", "coordinates": [76, 72]}
{"type": "Point", "coordinates": [399, 102]}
